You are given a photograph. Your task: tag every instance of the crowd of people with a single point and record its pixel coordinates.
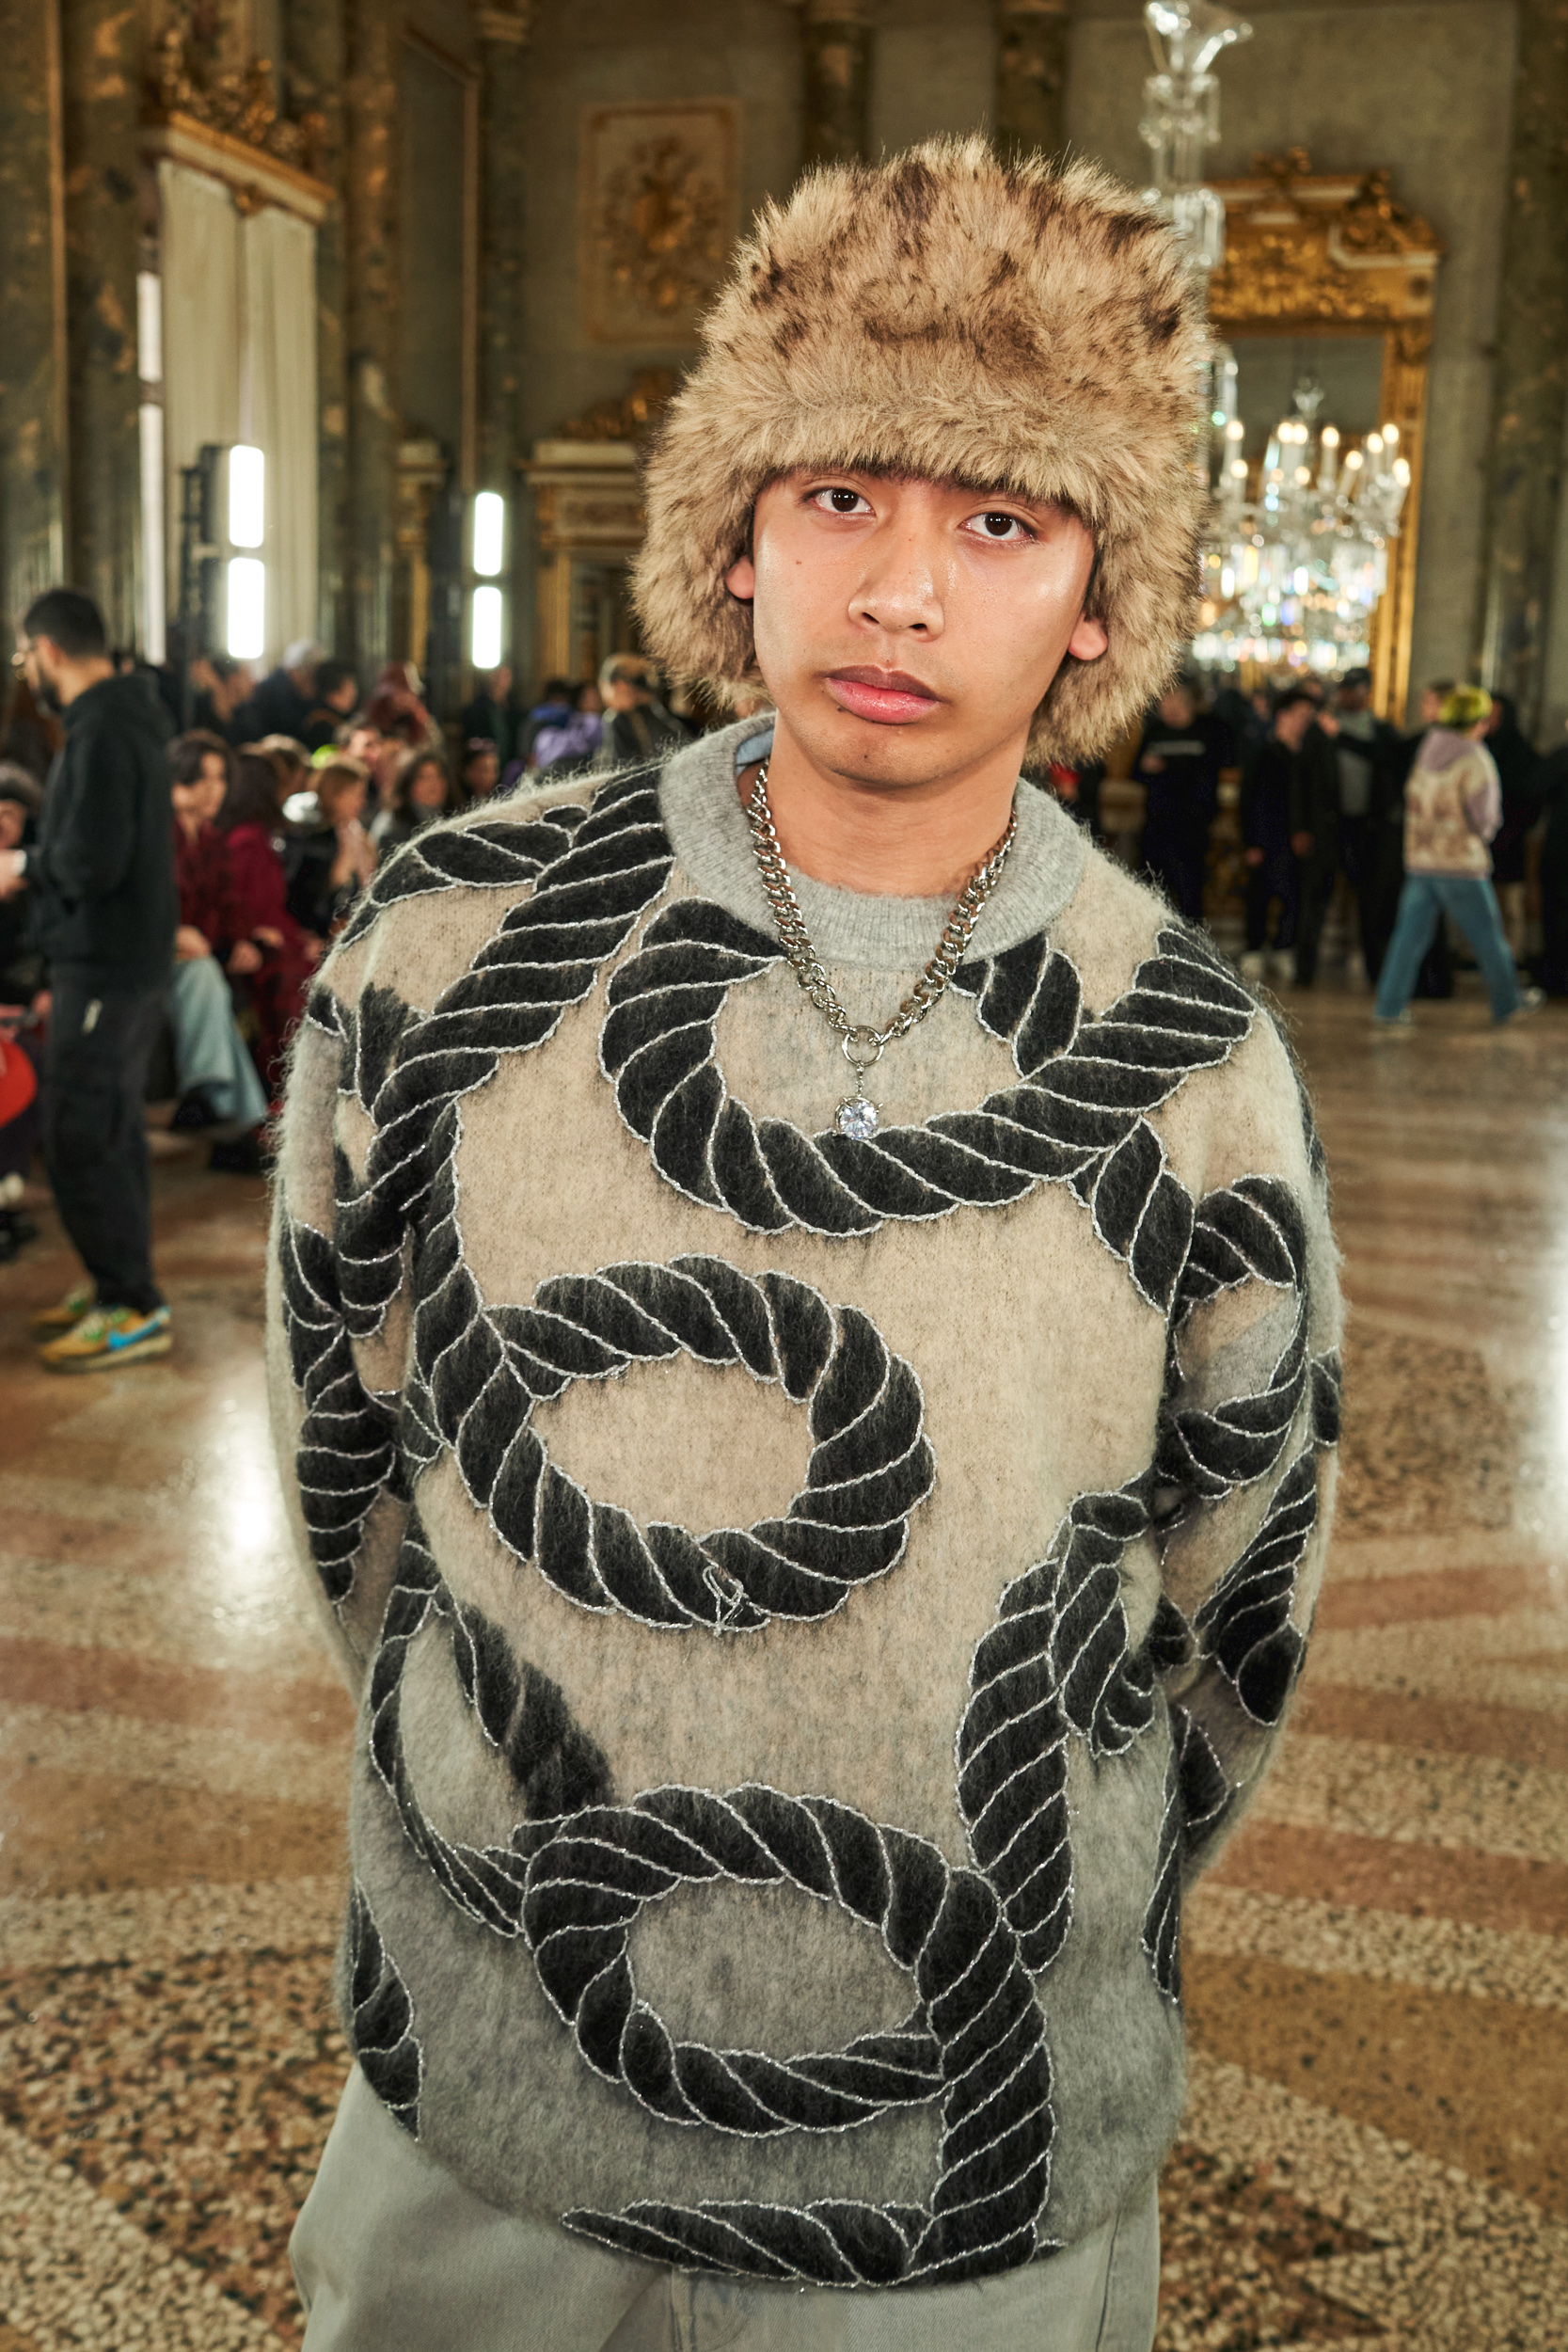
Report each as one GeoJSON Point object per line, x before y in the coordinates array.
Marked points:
{"type": "Point", "coordinates": [202, 838]}
{"type": "Point", "coordinates": [204, 835]}
{"type": "Point", "coordinates": [1423, 826]}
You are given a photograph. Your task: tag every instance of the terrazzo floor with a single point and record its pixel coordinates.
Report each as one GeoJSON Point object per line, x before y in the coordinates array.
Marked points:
{"type": "Point", "coordinates": [1376, 2145]}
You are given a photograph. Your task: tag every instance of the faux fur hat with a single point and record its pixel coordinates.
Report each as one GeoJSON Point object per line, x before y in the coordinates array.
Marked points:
{"type": "Point", "coordinates": [1008, 325]}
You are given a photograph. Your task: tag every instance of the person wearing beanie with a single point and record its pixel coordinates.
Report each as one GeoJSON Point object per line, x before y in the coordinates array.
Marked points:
{"type": "Point", "coordinates": [1453, 809]}
{"type": "Point", "coordinates": [804, 1333]}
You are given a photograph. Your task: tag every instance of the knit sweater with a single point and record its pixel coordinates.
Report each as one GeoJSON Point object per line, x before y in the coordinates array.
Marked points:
{"type": "Point", "coordinates": [815, 1602]}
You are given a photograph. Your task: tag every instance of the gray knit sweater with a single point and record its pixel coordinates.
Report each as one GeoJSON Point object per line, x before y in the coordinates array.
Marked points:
{"type": "Point", "coordinates": [813, 1602]}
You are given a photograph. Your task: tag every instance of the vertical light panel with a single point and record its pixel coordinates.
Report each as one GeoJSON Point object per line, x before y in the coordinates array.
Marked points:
{"type": "Point", "coordinates": [149, 418]}
{"type": "Point", "coordinates": [485, 641]}
{"type": "Point", "coordinates": [489, 533]}
{"type": "Point", "coordinates": [247, 629]}
{"type": "Point", "coordinates": [248, 495]}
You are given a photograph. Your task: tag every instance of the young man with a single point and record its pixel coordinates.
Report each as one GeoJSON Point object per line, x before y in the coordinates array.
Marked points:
{"type": "Point", "coordinates": [1179, 765]}
{"type": "Point", "coordinates": [1269, 789]}
{"type": "Point", "coordinates": [100, 888]}
{"type": "Point", "coordinates": [825, 1538]}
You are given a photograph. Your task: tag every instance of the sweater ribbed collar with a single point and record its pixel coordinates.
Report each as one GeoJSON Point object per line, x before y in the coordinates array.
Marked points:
{"type": "Point", "coordinates": [711, 839]}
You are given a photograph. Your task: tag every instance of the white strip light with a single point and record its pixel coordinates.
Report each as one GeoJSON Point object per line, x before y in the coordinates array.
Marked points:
{"type": "Point", "coordinates": [485, 641]}
{"type": "Point", "coordinates": [247, 608]}
{"type": "Point", "coordinates": [489, 532]}
{"type": "Point", "coordinates": [247, 496]}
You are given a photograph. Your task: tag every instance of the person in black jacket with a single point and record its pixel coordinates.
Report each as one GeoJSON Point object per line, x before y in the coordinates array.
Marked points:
{"type": "Point", "coordinates": [1268, 793]}
{"type": "Point", "coordinates": [1352, 774]}
{"type": "Point", "coordinates": [1179, 765]}
{"type": "Point", "coordinates": [104, 908]}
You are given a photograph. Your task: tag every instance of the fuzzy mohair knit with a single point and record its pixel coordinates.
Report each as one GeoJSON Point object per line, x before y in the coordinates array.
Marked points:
{"type": "Point", "coordinates": [945, 315]}
{"type": "Point", "coordinates": [813, 1602]}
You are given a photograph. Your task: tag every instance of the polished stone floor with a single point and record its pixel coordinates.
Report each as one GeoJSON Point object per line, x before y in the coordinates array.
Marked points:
{"type": "Point", "coordinates": [1376, 2148]}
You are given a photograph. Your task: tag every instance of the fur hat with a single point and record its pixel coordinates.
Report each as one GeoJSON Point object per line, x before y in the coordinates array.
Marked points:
{"type": "Point", "coordinates": [1011, 326]}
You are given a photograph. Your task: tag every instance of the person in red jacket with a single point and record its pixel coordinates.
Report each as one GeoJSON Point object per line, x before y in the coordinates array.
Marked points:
{"type": "Point", "coordinates": [249, 826]}
{"type": "Point", "coordinates": [218, 1084]}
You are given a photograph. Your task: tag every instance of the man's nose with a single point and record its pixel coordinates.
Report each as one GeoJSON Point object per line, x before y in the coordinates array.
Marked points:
{"type": "Point", "coordinates": [901, 586]}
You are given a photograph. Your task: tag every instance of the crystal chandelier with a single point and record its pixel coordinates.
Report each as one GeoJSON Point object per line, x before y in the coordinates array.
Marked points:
{"type": "Point", "coordinates": [1294, 572]}
{"type": "Point", "coordinates": [1180, 119]}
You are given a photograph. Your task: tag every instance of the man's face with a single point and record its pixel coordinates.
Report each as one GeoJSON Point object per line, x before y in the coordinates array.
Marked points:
{"type": "Point", "coordinates": [343, 696]}
{"type": "Point", "coordinates": [1177, 707]}
{"type": "Point", "coordinates": [908, 630]}
{"type": "Point", "coordinates": [621, 695]}
{"type": "Point", "coordinates": [38, 657]}
{"type": "Point", "coordinates": [364, 743]}
{"type": "Point", "coordinates": [482, 773]}
{"type": "Point", "coordinates": [1431, 702]}
{"type": "Point", "coordinates": [1353, 697]}
{"type": "Point", "coordinates": [1292, 723]}
{"type": "Point", "coordinates": [13, 818]}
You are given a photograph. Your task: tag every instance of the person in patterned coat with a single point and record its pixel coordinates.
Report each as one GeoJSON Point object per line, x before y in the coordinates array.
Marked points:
{"type": "Point", "coordinates": [803, 1341]}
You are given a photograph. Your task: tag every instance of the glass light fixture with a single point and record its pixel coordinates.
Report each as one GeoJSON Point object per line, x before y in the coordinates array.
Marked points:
{"type": "Point", "coordinates": [484, 636]}
{"type": "Point", "coordinates": [248, 495]}
{"type": "Point", "coordinates": [1181, 122]}
{"type": "Point", "coordinates": [247, 619]}
{"type": "Point", "coordinates": [489, 533]}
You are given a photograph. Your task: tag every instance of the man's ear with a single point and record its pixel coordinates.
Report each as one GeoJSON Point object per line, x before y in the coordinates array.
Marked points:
{"type": "Point", "coordinates": [741, 578]}
{"type": "Point", "coordinates": [1089, 639]}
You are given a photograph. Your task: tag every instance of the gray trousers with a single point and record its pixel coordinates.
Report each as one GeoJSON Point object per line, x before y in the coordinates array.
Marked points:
{"type": "Point", "coordinates": [209, 1051]}
{"type": "Point", "coordinates": [392, 2254]}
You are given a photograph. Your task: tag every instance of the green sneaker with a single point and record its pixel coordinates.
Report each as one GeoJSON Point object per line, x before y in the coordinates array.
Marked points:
{"type": "Point", "coordinates": [108, 1336]}
{"type": "Point", "coordinates": [51, 1321]}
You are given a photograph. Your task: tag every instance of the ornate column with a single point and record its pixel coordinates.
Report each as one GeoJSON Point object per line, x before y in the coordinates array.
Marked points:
{"type": "Point", "coordinates": [314, 65]}
{"type": "Point", "coordinates": [1525, 461]}
{"type": "Point", "coordinates": [100, 49]}
{"type": "Point", "coordinates": [836, 40]}
{"type": "Point", "coordinates": [371, 327]}
{"type": "Point", "coordinates": [1031, 76]}
{"type": "Point", "coordinates": [32, 270]}
{"type": "Point", "coordinates": [504, 148]}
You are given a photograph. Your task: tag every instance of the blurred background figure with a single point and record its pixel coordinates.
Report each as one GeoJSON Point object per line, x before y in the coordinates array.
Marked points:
{"type": "Point", "coordinates": [482, 769]}
{"type": "Point", "coordinates": [332, 857]}
{"type": "Point", "coordinates": [217, 1081]}
{"type": "Point", "coordinates": [1518, 766]}
{"type": "Point", "coordinates": [1453, 807]}
{"type": "Point", "coordinates": [282, 703]}
{"type": "Point", "coordinates": [495, 713]}
{"type": "Point", "coordinates": [570, 737]}
{"type": "Point", "coordinates": [22, 1008]}
{"type": "Point", "coordinates": [223, 686]}
{"type": "Point", "coordinates": [636, 724]}
{"type": "Point", "coordinates": [421, 791]}
{"type": "Point", "coordinates": [1345, 812]}
{"type": "Point", "coordinates": [395, 708]}
{"type": "Point", "coordinates": [1179, 765]}
{"type": "Point", "coordinates": [1268, 793]}
{"type": "Point", "coordinates": [250, 822]}
{"type": "Point", "coordinates": [334, 697]}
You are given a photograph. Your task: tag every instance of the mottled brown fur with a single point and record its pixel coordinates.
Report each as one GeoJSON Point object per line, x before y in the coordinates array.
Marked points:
{"type": "Point", "coordinates": [948, 316]}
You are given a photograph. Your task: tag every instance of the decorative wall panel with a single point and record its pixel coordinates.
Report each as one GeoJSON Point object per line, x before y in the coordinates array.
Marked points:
{"type": "Point", "coordinates": [656, 218]}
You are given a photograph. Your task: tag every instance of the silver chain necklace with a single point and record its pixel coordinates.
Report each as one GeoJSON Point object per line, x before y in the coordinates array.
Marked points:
{"type": "Point", "coordinates": [864, 1046]}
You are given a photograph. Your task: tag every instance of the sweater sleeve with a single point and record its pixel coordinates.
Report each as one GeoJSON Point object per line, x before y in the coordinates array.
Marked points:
{"type": "Point", "coordinates": [337, 1323]}
{"type": "Point", "coordinates": [1246, 1463]}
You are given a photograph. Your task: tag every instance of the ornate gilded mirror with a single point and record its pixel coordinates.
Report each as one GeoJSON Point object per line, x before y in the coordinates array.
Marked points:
{"type": "Point", "coordinates": [1330, 278]}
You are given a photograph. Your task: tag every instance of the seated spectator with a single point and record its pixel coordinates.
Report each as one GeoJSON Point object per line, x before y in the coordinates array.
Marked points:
{"type": "Point", "coordinates": [222, 686]}
{"type": "Point", "coordinates": [494, 714]}
{"type": "Point", "coordinates": [482, 769]}
{"type": "Point", "coordinates": [573, 738]}
{"type": "Point", "coordinates": [251, 824]}
{"type": "Point", "coordinates": [328, 862]}
{"type": "Point", "coordinates": [283, 702]}
{"type": "Point", "coordinates": [22, 1006]}
{"type": "Point", "coordinates": [335, 696]}
{"type": "Point", "coordinates": [216, 1077]}
{"type": "Point", "coordinates": [395, 707]}
{"type": "Point", "coordinates": [552, 710]}
{"type": "Point", "coordinates": [423, 789]}
{"type": "Point", "coordinates": [637, 725]}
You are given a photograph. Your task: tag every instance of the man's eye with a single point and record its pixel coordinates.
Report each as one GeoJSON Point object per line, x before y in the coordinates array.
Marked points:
{"type": "Point", "coordinates": [838, 501]}
{"type": "Point", "coordinates": [998, 526]}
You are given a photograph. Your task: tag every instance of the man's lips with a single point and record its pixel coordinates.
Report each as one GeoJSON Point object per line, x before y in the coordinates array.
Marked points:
{"type": "Point", "coordinates": [888, 697]}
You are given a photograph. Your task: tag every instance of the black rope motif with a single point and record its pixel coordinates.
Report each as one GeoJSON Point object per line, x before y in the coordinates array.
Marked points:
{"type": "Point", "coordinates": [1076, 1117]}
{"type": "Point", "coordinates": [1252, 1230]}
{"type": "Point", "coordinates": [590, 884]}
{"type": "Point", "coordinates": [493, 856]}
{"type": "Point", "coordinates": [1244, 1624]}
{"type": "Point", "coordinates": [381, 2018]}
{"type": "Point", "coordinates": [1057, 1660]}
{"type": "Point", "coordinates": [1211, 1454]}
{"type": "Point", "coordinates": [347, 1449]}
{"type": "Point", "coordinates": [480, 1371]}
{"type": "Point", "coordinates": [572, 1884]}
{"type": "Point", "coordinates": [1198, 1797]}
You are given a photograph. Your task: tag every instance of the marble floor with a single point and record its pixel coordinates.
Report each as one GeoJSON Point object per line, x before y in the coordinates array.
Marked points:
{"type": "Point", "coordinates": [1376, 2148]}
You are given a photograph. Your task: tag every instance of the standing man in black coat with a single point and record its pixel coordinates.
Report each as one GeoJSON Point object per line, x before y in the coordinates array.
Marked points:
{"type": "Point", "coordinates": [1179, 765]}
{"type": "Point", "coordinates": [101, 889]}
{"type": "Point", "coordinates": [1352, 771]}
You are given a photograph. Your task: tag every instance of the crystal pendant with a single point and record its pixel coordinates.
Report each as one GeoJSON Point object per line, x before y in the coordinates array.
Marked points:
{"type": "Point", "coordinates": [857, 1117]}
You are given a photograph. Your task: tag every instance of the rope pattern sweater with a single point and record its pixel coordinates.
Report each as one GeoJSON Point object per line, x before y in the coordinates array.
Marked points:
{"type": "Point", "coordinates": [814, 1603]}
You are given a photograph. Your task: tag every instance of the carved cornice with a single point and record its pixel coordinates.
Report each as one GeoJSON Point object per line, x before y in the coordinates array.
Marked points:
{"type": "Point", "coordinates": [1307, 251]}
{"type": "Point", "coordinates": [631, 418]}
{"type": "Point", "coordinates": [236, 107]}
{"type": "Point", "coordinates": [510, 26]}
